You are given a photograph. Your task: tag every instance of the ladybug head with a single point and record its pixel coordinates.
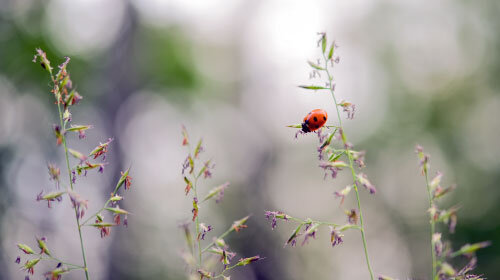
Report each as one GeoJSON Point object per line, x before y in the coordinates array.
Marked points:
{"type": "Point", "coordinates": [305, 127]}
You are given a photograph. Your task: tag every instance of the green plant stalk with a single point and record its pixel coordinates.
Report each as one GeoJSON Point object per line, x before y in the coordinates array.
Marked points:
{"type": "Point", "coordinates": [85, 268]}
{"type": "Point", "coordinates": [433, 224]}
{"type": "Point", "coordinates": [197, 222]}
{"type": "Point", "coordinates": [351, 166]}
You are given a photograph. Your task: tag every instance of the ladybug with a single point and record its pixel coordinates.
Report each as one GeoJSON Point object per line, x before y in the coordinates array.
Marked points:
{"type": "Point", "coordinates": [314, 120]}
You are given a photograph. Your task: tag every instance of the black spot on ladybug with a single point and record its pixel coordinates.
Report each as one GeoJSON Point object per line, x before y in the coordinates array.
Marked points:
{"type": "Point", "coordinates": [315, 126]}
{"type": "Point", "coordinates": [315, 119]}
{"type": "Point", "coordinates": [324, 118]}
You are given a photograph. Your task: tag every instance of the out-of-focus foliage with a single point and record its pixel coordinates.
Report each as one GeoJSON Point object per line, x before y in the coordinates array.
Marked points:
{"type": "Point", "coordinates": [417, 73]}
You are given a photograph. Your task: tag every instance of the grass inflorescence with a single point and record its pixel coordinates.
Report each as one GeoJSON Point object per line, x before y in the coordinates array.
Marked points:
{"type": "Point", "coordinates": [335, 154]}
{"type": "Point", "coordinates": [441, 251]}
{"type": "Point", "coordinates": [213, 260]}
{"type": "Point", "coordinates": [77, 164]}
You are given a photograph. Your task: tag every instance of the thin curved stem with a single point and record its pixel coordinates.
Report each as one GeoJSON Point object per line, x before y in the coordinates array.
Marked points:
{"type": "Point", "coordinates": [351, 167]}
{"type": "Point", "coordinates": [60, 261]}
{"type": "Point", "coordinates": [433, 224]}
{"type": "Point", "coordinates": [197, 222]}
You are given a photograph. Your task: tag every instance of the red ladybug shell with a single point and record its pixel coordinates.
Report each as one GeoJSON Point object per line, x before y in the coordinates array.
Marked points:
{"type": "Point", "coordinates": [314, 120]}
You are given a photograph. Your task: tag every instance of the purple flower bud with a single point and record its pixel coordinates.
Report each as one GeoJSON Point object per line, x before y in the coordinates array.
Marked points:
{"type": "Point", "coordinates": [186, 164]}
{"type": "Point", "coordinates": [335, 237]}
{"type": "Point", "coordinates": [78, 203]}
{"type": "Point", "coordinates": [363, 180]}
{"type": "Point", "coordinates": [204, 229]}
{"type": "Point", "coordinates": [81, 134]}
{"type": "Point", "coordinates": [349, 108]}
{"type": "Point", "coordinates": [18, 260]}
{"type": "Point", "coordinates": [274, 215]}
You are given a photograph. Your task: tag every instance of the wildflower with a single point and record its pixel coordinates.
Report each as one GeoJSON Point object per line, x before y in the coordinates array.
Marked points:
{"type": "Point", "coordinates": [104, 228]}
{"type": "Point", "coordinates": [363, 180]}
{"type": "Point", "coordinates": [246, 261]}
{"type": "Point", "coordinates": [185, 165]}
{"type": "Point", "coordinates": [311, 230]}
{"type": "Point", "coordinates": [101, 150]}
{"type": "Point", "coordinates": [469, 249]}
{"type": "Point", "coordinates": [52, 196]}
{"type": "Point", "coordinates": [105, 231]}
{"type": "Point", "coordinates": [72, 98]}
{"type": "Point", "coordinates": [352, 216]}
{"type": "Point", "coordinates": [80, 129]}
{"type": "Point", "coordinates": [274, 215]}
{"type": "Point", "coordinates": [343, 193]}
{"type": "Point", "coordinates": [335, 237]}
{"type": "Point", "coordinates": [56, 274]}
{"type": "Point", "coordinates": [43, 246]}
{"type": "Point", "coordinates": [348, 107]}
{"type": "Point", "coordinates": [78, 203]}
{"type": "Point", "coordinates": [440, 191]}
{"type": "Point", "coordinates": [218, 192]}
{"type": "Point", "coordinates": [128, 180]}
{"type": "Point", "coordinates": [124, 179]}
{"type": "Point", "coordinates": [117, 219]}
{"type": "Point", "coordinates": [435, 181]}
{"type": "Point", "coordinates": [67, 116]}
{"type": "Point", "coordinates": [321, 136]}
{"type": "Point", "coordinates": [117, 211]}
{"type": "Point", "coordinates": [57, 133]}
{"type": "Point", "coordinates": [239, 224]}
{"type": "Point", "coordinates": [44, 62]}
{"type": "Point", "coordinates": [424, 159]}
{"type": "Point", "coordinates": [77, 155]}
{"type": "Point", "coordinates": [204, 230]}
{"type": "Point", "coordinates": [199, 149]}
{"type": "Point", "coordinates": [185, 138]}
{"type": "Point", "coordinates": [438, 245]}
{"type": "Point", "coordinates": [29, 266]}
{"type": "Point", "coordinates": [195, 208]}
{"type": "Point", "coordinates": [205, 274]}
{"type": "Point", "coordinates": [359, 158]}
{"type": "Point", "coordinates": [207, 170]}
{"type": "Point", "coordinates": [226, 255]}
{"type": "Point", "coordinates": [292, 240]}
{"type": "Point", "coordinates": [18, 260]}
{"type": "Point", "coordinates": [189, 185]}
{"type": "Point", "coordinates": [332, 166]}
{"type": "Point", "coordinates": [25, 248]}
{"type": "Point", "coordinates": [54, 173]}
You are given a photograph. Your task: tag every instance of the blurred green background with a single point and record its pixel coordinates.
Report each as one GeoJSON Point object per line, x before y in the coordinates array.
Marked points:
{"type": "Point", "coordinates": [418, 72]}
